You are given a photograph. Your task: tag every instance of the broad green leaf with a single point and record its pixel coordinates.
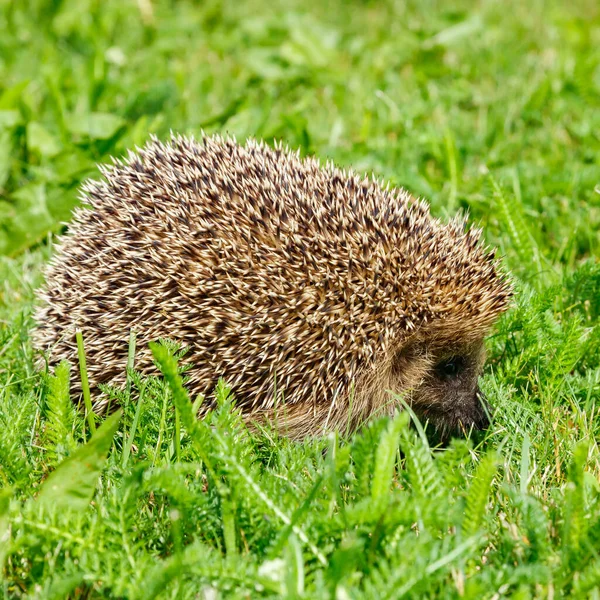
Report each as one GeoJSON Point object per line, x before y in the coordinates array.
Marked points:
{"type": "Point", "coordinates": [31, 220]}
{"type": "Point", "coordinates": [11, 97]}
{"type": "Point", "coordinates": [294, 572]}
{"type": "Point", "coordinates": [41, 141]}
{"type": "Point", "coordinates": [153, 99]}
{"type": "Point", "coordinates": [9, 118]}
{"type": "Point", "coordinates": [95, 125]}
{"type": "Point", "coordinates": [71, 486]}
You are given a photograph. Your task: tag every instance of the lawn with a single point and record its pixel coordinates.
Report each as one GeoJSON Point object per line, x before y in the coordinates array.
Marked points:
{"type": "Point", "coordinates": [487, 107]}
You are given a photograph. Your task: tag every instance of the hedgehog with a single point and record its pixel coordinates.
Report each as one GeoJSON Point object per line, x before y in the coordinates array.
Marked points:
{"type": "Point", "coordinates": [322, 297]}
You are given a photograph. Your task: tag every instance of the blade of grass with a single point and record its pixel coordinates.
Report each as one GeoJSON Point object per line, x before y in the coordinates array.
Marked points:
{"type": "Point", "coordinates": [85, 386]}
{"type": "Point", "coordinates": [129, 443]}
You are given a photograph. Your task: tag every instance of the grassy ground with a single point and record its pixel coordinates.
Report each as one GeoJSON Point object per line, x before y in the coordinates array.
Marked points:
{"type": "Point", "coordinates": [488, 106]}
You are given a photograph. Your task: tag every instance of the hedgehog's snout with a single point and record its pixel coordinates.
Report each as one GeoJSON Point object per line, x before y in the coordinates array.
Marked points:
{"type": "Point", "coordinates": [457, 414]}
{"type": "Point", "coordinates": [476, 413]}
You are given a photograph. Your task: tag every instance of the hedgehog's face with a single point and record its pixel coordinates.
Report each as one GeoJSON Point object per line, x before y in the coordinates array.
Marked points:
{"type": "Point", "coordinates": [443, 385]}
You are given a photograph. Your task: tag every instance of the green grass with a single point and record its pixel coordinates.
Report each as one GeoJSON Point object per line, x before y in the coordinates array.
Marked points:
{"type": "Point", "coordinates": [490, 107]}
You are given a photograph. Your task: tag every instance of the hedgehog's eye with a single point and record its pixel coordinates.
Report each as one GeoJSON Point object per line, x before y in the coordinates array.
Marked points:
{"type": "Point", "coordinates": [450, 367]}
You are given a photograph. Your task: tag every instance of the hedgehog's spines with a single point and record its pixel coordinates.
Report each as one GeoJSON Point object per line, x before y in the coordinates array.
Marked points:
{"type": "Point", "coordinates": [262, 262]}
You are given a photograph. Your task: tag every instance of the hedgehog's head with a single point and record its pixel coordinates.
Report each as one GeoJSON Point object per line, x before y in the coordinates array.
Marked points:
{"type": "Point", "coordinates": [440, 381]}
{"type": "Point", "coordinates": [455, 296]}
{"type": "Point", "coordinates": [437, 366]}
{"type": "Point", "coordinates": [434, 351]}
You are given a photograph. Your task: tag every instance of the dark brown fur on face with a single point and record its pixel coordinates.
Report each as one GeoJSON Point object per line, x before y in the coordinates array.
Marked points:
{"type": "Point", "coordinates": [313, 291]}
{"type": "Point", "coordinates": [447, 394]}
